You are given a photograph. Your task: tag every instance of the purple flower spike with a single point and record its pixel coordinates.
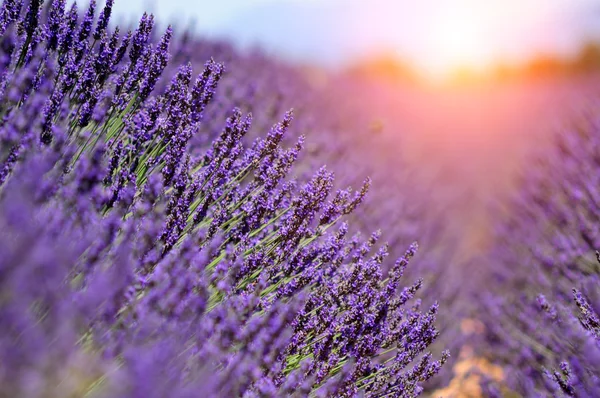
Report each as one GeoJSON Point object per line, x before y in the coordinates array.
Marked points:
{"type": "Point", "coordinates": [103, 20]}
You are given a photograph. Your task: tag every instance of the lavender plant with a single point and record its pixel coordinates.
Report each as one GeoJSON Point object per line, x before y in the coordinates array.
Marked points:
{"type": "Point", "coordinates": [331, 113]}
{"type": "Point", "coordinates": [139, 259]}
{"type": "Point", "coordinates": [550, 329]}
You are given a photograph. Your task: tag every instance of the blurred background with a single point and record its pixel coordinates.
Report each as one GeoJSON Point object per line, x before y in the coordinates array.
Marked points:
{"type": "Point", "coordinates": [435, 38]}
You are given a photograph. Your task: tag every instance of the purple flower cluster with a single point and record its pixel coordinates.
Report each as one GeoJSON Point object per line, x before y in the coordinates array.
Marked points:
{"type": "Point", "coordinates": [546, 250]}
{"type": "Point", "coordinates": [149, 249]}
{"type": "Point", "coordinates": [402, 202]}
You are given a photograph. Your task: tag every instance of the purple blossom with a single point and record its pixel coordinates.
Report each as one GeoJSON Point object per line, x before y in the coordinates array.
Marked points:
{"type": "Point", "coordinates": [102, 23]}
{"type": "Point", "coordinates": [151, 251]}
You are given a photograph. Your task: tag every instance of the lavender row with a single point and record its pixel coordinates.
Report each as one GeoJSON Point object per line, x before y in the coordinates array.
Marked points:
{"type": "Point", "coordinates": [546, 334]}
{"type": "Point", "coordinates": [149, 249]}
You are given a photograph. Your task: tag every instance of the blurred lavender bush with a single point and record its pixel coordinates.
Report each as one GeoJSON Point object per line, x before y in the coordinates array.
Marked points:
{"type": "Point", "coordinates": [547, 335]}
{"type": "Point", "coordinates": [154, 242]}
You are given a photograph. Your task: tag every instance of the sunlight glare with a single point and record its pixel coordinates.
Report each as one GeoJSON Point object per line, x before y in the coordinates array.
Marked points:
{"type": "Point", "coordinates": [465, 34]}
{"type": "Point", "coordinates": [459, 40]}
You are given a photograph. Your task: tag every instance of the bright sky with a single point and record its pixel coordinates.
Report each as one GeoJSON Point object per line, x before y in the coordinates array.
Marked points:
{"type": "Point", "coordinates": [435, 35]}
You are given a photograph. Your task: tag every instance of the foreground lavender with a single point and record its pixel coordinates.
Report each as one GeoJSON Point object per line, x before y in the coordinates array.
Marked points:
{"type": "Point", "coordinates": [547, 251]}
{"type": "Point", "coordinates": [133, 263]}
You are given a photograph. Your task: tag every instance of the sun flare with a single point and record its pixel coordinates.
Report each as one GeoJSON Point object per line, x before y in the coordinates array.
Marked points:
{"type": "Point", "coordinates": [469, 33]}
{"type": "Point", "coordinates": [459, 40]}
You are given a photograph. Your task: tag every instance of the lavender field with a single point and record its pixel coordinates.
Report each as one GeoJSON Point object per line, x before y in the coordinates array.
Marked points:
{"type": "Point", "coordinates": [180, 217]}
